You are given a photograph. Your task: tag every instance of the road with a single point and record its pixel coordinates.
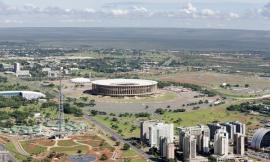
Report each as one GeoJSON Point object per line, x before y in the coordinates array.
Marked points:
{"type": "Point", "coordinates": [119, 138]}
{"type": "Point", "coordinates": [5, 155]}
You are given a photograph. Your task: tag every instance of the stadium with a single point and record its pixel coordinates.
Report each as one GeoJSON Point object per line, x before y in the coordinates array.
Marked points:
{"type": "Point", "coordinates": [124, 87]}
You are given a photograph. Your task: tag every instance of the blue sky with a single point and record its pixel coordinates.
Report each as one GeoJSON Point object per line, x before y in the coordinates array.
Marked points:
{"type": "Point", "coordinates": [233, 14]}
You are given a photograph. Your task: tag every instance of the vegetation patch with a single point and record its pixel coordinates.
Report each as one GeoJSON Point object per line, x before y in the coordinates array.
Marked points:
{"type": "Point", "coordinates": [66, 143]}
{"type": "Point", "coordinates": [32, 148]}
{"type": "Point", "coordinates": [70, 150]}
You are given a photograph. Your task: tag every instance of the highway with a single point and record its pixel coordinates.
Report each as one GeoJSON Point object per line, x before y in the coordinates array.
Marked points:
{"type": "Point", "coordinates": [119, 138]}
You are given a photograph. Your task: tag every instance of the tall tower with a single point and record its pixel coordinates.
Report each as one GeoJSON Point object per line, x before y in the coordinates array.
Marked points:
{"type": "Point", "coordinates": [61, 119]}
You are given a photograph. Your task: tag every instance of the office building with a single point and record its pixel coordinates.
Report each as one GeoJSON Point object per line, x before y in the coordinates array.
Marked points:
{"type": "Point", "coordinates": [221, 142]}
{"type": "Point", "coordinates": [239, 144]}
{"type": "Point", "coordinates": [189, 148]}
{"type": "Point", "coordinates": [231, 129]}
{"type": "Point", "coordinates": [159, 130]}
{"type": "Point", "coordinates": [145, 126]}
{"type": "Point", "coordinates": [240, 127]}
{"type": "Point", "coordinates": [170, 151]}
{"type": "Point", "coordinates": [166, 149]}
{"type": "Point", "coordinates": [201, 133]}
{"type": "Point", "coordinates": [213, 128]}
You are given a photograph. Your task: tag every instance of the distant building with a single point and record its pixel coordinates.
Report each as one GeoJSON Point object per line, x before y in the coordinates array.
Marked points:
{"type": "Point", "coordinates": [201, 133]}
{"type": "Point", "coordinates": [239, 144]}
{"type": "Point", "coordinates": [159, 130]}
{"type": "Point", "coordinates": [53, 74]}
{"type": "Point", "coordinates": [221, 143]}
{"type": "Point", "coordinates": [213, 128]}
{"type": "Point", "coordinates": [17, 67]}
{"type": "Point", "coordinates": [23, 74]}
{"type": "Point", "coordinates": [189, 148]}
{"type": "Point", "coordinates": [29, 95]}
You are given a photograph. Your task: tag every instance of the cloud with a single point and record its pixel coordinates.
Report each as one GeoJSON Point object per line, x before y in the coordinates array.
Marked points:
{"type": "Point", "coordinates": [119, 12]}
{"type": "Point", "coordinates": [208, 12]}
{"type": "Point", "coordinates": [234, 15]}
{"type": "Point", "coordinates": [265, 11]}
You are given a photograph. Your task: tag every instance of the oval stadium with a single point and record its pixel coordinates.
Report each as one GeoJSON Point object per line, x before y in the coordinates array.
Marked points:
{"type": "Point", "coordinates": [124, 87]}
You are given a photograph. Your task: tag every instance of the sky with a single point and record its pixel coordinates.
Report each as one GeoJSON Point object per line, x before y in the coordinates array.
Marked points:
{"type": "Point", "coordinates": [224, 14]}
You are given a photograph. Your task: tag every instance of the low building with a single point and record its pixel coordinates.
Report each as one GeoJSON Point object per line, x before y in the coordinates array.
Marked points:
{"type": "Point", "coordinates": [29, 95]}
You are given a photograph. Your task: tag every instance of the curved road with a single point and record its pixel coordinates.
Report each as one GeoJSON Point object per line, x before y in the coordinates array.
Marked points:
{"type": "Point", "coordinates": [119, 138]}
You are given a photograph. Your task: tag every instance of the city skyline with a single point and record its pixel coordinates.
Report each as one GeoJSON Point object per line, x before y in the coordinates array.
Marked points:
{"type": "Point", "coordinates": [226, 14]}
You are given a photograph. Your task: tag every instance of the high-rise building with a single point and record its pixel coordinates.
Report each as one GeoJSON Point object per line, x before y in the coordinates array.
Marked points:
{"type": "Point", "coordinates": [203, 143]}
{"type": "Point", "coordinates": [231, 129]}
{"type": "Point", "coordinates": [145, 126]}
{"type": "Point", "coordinates": [213, 128]}
{"type": "Point", "coordinates": [166, 149]}
{"type": "Point", "coordinates": [240, 127]}
{"type": "Point", "coordinates": [170, 151]}
{"type": "Point", "coordinates": [239, 144]}
{"type": "Point", "coordinates": [189, 147]}
{"type": "Point", "coordinates": [221, 142]}
{"type": "Point", "coordinates": [201, 133]}
{"type": "Point", "coordinates": [17, 67]}
{"type": "Point", "coordinates": [163, 147]}
{"type": "Point", "coordinates": [159, 130]}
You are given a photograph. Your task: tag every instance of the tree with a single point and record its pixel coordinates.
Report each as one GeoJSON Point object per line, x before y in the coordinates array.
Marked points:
{"type": "Point", "coordinates": [92, 103]}
{"type": "Point", "coordinates": [117, 143]}
{"type": "Point", "coordinates": [79, 151]}
{"type": "Point", "coordinates": [160, 111]}
{"type": "Point", "coordinates": [126, 146]}
{"type": "Point", "coordinates": [103, 157]}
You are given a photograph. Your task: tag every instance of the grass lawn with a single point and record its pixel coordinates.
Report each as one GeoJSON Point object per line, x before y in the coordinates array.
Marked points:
{"type": "Point", "coordinates": [70, 150]}
{"type": "Point", "coordinates": [208, 115]}
{"type": "Point", "coordinates": [11, 148]}
{"type": "Point", "coordinates": [66, 143]}
{"type": "Point", "coordinates": [124, 124]}
{"type": "Point", "coordinates": [32, 148]}
{"type": "Point", "coordinates": [190, 118]}
{"type": "Point", "coordinates": [128, 153]}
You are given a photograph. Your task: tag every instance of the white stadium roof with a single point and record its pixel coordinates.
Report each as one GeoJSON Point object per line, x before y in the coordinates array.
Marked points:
{"type": "Point", "coordinates": [80, 80]}
{"type": "Point", "coordinates": [124, 82]}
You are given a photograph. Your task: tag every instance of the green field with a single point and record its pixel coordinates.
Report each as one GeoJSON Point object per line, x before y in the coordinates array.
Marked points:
{"type": "Point", "coordinates": [182, 119]}
{"type": "Point", "coordinates": [11, 148]}
{"type": "Point", "coordinates": [32, 148]}
{"type": "Point", "coordinates": [66, 143]}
